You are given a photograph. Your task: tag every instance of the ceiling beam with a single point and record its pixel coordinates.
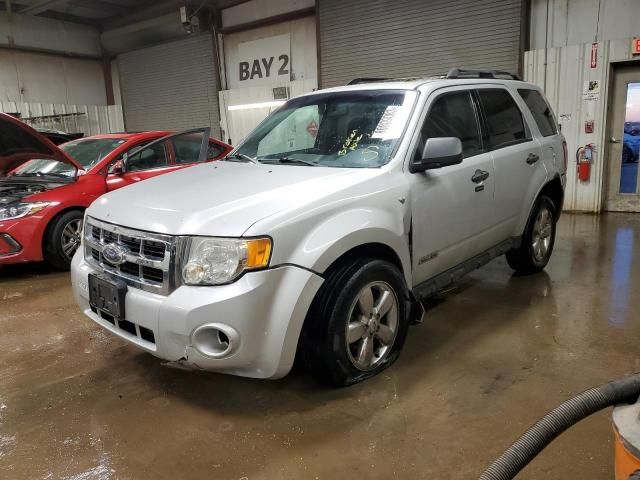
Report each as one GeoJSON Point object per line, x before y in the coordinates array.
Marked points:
{"type": "Point", "coordinates": [40, 7]}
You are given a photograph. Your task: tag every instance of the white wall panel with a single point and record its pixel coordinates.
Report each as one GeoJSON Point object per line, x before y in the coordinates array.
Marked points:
{"type": "Point", "coordinates": [573, 22]}
{"type": "Point", "coordinates": [88, 119]}
{"type": "Point", "coordinates": [46, 78]}
{"type": "Point", "coordinates": [567, 69]}
{"type": "Point", "coordinates": [302, 32]}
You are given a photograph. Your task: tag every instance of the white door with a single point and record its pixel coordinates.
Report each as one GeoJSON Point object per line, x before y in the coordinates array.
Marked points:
{"type": "Point", "coordinates": [450, 203]}
{"type": "Point", "coordinates": [519, 169]}
{"type": "Point", "coordinates": [623, 135]}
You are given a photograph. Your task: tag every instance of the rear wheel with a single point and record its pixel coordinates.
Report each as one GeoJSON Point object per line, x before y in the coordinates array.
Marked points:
{"type": "Point", "coordinates": [538, 239]}
{"type": "Point", "coordinates": [63, 239]}
{"type": "Point", "coordinates": [627, 155]}
{"type": "Point", "coordinates": [357, 323]}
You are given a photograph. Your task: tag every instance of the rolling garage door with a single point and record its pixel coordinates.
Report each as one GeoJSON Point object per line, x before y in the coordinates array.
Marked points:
{"type": "Point", "coordinates": [401, 38]}
{"type": "Point", "coordinates": [171, 86]}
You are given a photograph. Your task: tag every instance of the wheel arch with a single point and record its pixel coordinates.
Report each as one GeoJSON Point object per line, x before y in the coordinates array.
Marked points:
{"type": "Point", "coordinates": [554, 190]}
{"type": "Point", "coordinates": [47, 229]}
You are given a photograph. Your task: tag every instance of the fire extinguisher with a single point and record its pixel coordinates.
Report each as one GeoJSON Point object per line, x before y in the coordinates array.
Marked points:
{"type": "Point", "coordinates": [584, 159]}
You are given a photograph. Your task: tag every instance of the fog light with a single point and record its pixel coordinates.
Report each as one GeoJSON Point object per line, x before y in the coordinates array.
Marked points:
{"type": "Point", "coordinates": [215, 340]}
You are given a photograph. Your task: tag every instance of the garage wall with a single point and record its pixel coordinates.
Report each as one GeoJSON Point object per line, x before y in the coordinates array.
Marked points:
{"type": "Point", "coordinates": [399, 38]}
{"type": "Point", "coordinates": [170, 86]}
{"type": "Point", "coordinates": [45, 78]}
{"type": "Point", "coordinates": [573, 22]}
{"type": "Point", "coordinates": [566, 69]}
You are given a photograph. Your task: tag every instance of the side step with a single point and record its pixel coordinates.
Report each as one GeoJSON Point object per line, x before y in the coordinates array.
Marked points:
{"type": "Point", "coordinates": [432, 286]}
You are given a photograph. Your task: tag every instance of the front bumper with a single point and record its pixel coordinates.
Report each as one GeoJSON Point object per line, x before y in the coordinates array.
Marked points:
{"type": "Point", "coordinates": [26, 232]}
{"type": "Point", "coordinates": [266, 309]}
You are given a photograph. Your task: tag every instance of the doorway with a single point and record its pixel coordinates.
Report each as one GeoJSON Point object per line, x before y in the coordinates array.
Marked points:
{"type": "Point", "coordinates": [623, 140]}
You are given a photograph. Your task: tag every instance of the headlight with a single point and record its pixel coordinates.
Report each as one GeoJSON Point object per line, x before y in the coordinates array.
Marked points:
{"type": "Point", "coordinates": [215, 261]}
{"type": "Point", "coordinates": [21, 210]}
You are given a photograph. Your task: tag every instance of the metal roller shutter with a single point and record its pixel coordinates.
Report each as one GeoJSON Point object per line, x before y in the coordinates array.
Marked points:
{"type": "Point", "coordinates": [171, 86]}
{"type": "Point", "coordinates": [400, 38]}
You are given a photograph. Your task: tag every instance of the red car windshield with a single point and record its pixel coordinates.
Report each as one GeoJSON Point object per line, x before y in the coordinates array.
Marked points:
{"type": "Point", "coordinates": [87, 152]}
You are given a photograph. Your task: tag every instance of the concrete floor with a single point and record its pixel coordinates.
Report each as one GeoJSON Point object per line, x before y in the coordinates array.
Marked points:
{"type": "Point", "coordinates": [493, 356]}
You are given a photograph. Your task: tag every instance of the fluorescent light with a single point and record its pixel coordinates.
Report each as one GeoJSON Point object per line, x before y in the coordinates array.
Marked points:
{"type": "Point", "coordinates": [246, 106]}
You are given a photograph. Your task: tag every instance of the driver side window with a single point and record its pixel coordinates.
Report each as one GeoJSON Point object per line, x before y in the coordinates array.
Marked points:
{"type": "Point", "coordinates": [154, 156]}
{"type": "Point", "coordinates": [453, 115]}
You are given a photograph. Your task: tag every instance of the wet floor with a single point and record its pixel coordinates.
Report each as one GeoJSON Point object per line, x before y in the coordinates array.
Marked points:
{"type": "Point", "coordinates": [493, 356]}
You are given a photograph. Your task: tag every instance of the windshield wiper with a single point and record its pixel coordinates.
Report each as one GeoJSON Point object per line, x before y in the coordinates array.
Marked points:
{"type": "Point", "coordinates": [240, 157]}
{"type": "Point", "coordinates": [291, 161]}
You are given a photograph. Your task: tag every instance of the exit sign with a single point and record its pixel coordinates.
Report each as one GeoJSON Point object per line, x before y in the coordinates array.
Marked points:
{"type": "Point", "coordinates": [635, 46]}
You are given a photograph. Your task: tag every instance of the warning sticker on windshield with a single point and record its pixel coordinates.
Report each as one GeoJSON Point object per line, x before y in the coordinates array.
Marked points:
{"type": "Point", "coordinates": [391, 123]}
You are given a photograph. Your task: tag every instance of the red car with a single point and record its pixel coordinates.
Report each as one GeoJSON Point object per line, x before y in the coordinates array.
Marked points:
{"type": "Point", "coordinates": [44, 189]}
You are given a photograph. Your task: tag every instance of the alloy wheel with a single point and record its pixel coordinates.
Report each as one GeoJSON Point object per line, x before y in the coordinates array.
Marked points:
{"type": "Point", "coordinates": [71, 235]}
{"type": "Point", "coordinates": [372, 325]}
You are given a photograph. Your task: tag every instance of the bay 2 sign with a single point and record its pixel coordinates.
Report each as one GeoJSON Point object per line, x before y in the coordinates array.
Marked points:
{"type": "Point", "coordinates": [265, 62]}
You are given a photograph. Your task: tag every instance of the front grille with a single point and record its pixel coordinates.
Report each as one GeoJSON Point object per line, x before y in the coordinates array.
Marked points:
{"type": "Point", "coordinates": [129, 327]}
{"type": "Point", "coordinates": [146, 260]}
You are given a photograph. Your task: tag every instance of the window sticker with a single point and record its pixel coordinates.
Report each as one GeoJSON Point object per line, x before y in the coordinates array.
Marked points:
{"type": "Point", "coordinates": [394, 119]}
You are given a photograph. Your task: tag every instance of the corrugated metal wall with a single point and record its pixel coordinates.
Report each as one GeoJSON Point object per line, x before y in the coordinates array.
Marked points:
{"type": "Point", "coordinates": [398, 38]}
{"type": "Point", "coordinates": [88, 119]}
{"type": "Point", "coordinates": [171, 86]}
{"type": "Point", "coordinates": [567, 70]}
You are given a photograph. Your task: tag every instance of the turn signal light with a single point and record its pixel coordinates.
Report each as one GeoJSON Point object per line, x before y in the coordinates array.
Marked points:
{"type": "Point", "coordinates": [258, 252]}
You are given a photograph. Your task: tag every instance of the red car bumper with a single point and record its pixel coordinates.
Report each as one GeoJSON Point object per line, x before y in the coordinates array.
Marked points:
{"type": "Point", "coordinates": [21, 240]}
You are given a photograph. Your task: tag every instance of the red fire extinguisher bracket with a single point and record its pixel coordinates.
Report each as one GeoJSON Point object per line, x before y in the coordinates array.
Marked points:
{"type": "Point", "coordinates": [584, 160]}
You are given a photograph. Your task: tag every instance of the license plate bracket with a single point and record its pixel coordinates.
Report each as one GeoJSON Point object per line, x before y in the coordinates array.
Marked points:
{"type": "Point", "coordinates": [108, 295]}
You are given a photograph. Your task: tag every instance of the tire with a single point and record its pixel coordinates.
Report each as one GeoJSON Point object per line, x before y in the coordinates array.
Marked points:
{"type": "Point", "coordinates": [338, 308]}
{"type": "Point", "coordinates": [538, 239]}
{"type": "Point", "coordinates": [58, 247]}
{"type": "Point", "coordinates": [627, 154]}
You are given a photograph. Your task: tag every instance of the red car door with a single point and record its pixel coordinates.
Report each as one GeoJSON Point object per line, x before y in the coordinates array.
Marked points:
{"type": "Point", "coordinates": [157, 158]}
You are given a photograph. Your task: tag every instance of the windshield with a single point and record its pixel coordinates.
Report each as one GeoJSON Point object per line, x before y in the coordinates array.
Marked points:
{"type": "Point", "coordinates": [358, 129]}
{"type": "Point", "coordinates": [87, 152]}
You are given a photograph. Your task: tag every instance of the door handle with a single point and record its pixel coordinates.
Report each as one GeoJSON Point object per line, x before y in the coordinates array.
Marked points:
{"type": "Point", "coordinates": [480, 176]}
{"type": "Point", "coordinates": [614, 140]}
{"type": "Point", "coordinates": [532, 158]}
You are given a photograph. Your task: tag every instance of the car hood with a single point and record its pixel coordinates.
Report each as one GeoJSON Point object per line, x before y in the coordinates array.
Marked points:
{"type": "Point", "coordinates": [221, 198]}
{"type": "Point", "coordinates": [20, 143]}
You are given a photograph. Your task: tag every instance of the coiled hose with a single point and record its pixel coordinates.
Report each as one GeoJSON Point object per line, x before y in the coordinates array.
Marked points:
{"type": "Point", "coordinates": [529, 445]}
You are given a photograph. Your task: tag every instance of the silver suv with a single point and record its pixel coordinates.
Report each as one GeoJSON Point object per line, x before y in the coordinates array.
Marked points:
{"type": "Point", "coordinates": [324, 230]}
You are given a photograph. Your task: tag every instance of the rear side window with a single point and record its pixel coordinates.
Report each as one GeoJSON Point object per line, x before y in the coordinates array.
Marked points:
{"type": "Point", "coordinates": [452, 115]}
{"type": "Point", "coordinates": [540, 110]}
{"type": "Point", "coordinates": [214, 150]}
{"type": "Point", "coordinates": [504, 120]}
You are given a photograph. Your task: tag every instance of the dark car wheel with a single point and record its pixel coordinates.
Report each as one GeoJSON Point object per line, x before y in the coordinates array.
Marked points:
{"type": "Point", "coordinates": [63, 239]}
{"type": "Point", "coordinates": [357, 323]}
{"type": "Point", "coordinates": [538, 239]}
{"type": "Point", "coordinates": [627, 154]}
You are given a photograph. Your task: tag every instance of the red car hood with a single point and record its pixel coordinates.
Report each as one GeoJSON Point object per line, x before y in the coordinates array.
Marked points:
{"type": "Point", "coordinates": [20, 143]}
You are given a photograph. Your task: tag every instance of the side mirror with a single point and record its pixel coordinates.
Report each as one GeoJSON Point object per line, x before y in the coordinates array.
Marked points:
{"type": "Point", "coordinates": [438, 153]}
{"type": "Point", "coordinates": [120, 166]}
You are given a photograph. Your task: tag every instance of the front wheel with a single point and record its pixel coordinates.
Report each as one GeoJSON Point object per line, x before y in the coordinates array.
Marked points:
{"type": "Point", "coordinates": [357, 323]}
{"type": "Point", "coordinates": [63, 239]}
{"type": "Point", "coordinates": [538, 239]}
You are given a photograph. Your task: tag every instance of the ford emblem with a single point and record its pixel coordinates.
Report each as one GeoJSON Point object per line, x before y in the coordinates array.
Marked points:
{"type": "Point", "coordinates": [114, 254]}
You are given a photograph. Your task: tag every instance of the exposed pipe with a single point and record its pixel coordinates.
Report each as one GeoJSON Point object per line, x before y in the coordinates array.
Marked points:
{"type": "Point", "coordinates": [529, 445]}
{"type": "Point", "coordinates": [546, 48]}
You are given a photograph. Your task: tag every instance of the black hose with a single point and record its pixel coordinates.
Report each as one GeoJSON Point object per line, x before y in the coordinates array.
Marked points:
{"type": "Point", "coordinates": [529, 445]}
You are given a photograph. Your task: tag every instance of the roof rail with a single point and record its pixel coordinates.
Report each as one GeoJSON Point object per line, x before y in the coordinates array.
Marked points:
{"type": "Point", "coordinates": [357, 81]}
{"type": "Point", "coordinates": [470, 73]}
